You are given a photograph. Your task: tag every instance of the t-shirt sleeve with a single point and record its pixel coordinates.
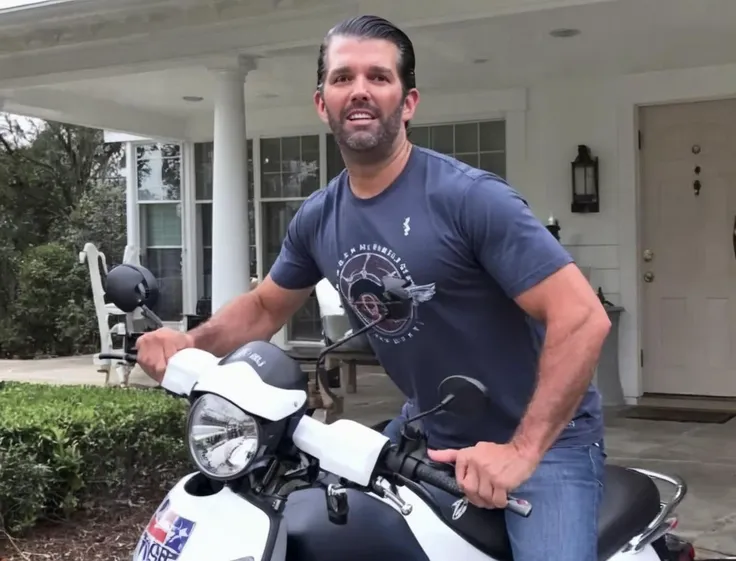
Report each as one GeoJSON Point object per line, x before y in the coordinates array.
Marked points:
{"type": "Point", "coordinates": [295, 267]}
{"type": "Point", "coordinates": [506, 238]}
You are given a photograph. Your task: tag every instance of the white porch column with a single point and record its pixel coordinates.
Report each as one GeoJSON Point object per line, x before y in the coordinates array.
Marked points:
{"type": "Point", "coordinates": [133, 245]}
{"type": "Point", "coordinates": [230, 244]}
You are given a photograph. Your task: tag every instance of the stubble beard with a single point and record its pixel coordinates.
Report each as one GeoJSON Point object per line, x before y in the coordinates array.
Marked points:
{"type": "Point", "coordinates": [367, 146]}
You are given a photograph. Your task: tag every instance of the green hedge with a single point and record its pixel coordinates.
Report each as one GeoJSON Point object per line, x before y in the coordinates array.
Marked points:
{"type": "Point", "coordinates": [50, 309]}
{"type": "Point", "coordinates": [60, 444]}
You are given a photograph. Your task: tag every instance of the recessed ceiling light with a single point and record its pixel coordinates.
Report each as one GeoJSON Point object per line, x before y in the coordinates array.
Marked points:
{"type": "Point", "coordinates": [192, 98]}
{"type": "Point", "coordinates": [564, 32]}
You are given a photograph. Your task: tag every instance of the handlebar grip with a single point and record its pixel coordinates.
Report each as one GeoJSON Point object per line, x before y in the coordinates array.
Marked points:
{"type": "Point", "coordinates": [447, 482]}
{"type": "Point", "coordinates": [127, 357]}
{"type": "Point", "coordinates": [440, 479]}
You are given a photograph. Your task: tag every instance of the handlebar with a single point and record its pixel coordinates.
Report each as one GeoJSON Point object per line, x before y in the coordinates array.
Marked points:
{"type": "Point", "coordinates": [127, 357]}
{"type": "Point", "coordinates": [397, 462]}
{"type": "Point", "coordinates": [132, 357]}
{"type": "Point", "coordinates": [414, 469]}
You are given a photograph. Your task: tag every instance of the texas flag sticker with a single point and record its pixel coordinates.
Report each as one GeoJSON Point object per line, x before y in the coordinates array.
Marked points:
{"type": "Point", "coordinates": [165, 536]}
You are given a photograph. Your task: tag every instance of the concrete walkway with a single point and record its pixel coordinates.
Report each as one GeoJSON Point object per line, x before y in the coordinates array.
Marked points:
{"type": "Point", "coordinates": [69, 370]}
{"type": "Point", "coordinates": [703, 454]}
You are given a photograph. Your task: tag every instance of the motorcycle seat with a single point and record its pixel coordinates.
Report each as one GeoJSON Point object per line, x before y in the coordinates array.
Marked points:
{"type": "Point", "coordinates": [631, 501]}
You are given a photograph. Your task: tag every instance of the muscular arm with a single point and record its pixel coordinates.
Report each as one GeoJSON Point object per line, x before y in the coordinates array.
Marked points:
{"type": "Point", "coordinates": [531, 266]}
{"type": "Point", "coordinates": [254, 316]}
{"type": "Point", "coordinates": [577, 326]}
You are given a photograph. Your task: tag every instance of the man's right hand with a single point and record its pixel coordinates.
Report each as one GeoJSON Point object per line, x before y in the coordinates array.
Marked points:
{"type": "Point", "coordinates": [157, 347]}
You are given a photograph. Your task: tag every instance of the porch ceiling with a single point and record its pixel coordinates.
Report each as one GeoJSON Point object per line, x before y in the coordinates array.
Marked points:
{"type": "Point", "coordinates": [617, 37]}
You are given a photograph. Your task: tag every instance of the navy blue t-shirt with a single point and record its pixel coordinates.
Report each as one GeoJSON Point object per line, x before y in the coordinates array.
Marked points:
{"type": "Point", "coordinates": [468, 244]}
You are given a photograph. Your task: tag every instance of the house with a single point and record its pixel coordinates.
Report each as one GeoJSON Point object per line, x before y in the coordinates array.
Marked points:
{"type": "Point", "coordinates": [514, 86]}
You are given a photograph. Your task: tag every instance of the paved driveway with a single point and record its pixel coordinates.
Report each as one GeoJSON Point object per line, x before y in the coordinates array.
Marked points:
{"type": "Point", "coordinates": [703, 454]}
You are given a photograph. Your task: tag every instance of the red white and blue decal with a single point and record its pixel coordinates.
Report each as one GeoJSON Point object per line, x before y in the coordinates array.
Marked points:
{"type": "Point", "coordinates": [165, 536]}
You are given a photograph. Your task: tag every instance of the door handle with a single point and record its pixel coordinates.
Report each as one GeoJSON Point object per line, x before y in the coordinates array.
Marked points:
{"type": "Point", "coordinates": [733, 236]}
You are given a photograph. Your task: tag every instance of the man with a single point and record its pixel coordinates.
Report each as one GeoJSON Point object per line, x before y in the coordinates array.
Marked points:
{"type": "Point", "coordinates": [496, 297]}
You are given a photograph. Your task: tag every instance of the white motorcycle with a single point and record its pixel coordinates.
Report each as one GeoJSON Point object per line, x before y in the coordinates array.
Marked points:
{"type": "Point", "coordinates": [274, 484]}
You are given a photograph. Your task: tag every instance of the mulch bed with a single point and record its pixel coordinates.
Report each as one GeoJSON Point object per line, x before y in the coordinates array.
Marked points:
{"type": "Point", "coordinates": [108, 530]}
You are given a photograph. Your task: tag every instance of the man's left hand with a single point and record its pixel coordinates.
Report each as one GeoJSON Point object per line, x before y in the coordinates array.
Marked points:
{"type": "Point", "coordinates": [487, 472]}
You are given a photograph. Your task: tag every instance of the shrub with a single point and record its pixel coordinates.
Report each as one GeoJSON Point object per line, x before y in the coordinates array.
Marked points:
{"type": "Point", "coordinates": [52, 313]}
{"type": "Point", "coordinates": [62, 444]}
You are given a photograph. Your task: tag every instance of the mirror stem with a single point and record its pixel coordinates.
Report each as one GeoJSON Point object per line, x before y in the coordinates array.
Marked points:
{"type": "Point", "coordinates": [346, 339]}
{"type": "Point", "coordinates": [150, 315]}
{"type": "Point", "coordinates": [436, 409]}
{"type": "Point", "coordinates": [322, 373]}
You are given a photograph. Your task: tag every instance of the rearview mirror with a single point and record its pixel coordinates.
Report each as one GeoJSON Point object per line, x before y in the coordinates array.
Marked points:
{"type": "Point", "coordinates": [131, 286]}
{"type": "Point", "coordinates": [464, 396]}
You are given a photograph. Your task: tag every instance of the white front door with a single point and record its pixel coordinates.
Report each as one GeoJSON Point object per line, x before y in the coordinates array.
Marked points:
{"type": "Point", "coordinates": [689, 278]}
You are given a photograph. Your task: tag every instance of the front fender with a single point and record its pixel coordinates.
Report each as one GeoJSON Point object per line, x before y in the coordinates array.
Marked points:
{"type": "Point", "coordinates": [191, 524]}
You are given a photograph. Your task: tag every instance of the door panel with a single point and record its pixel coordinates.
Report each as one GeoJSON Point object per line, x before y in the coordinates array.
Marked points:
{"type": "Point", "coordinates": [689, 304]}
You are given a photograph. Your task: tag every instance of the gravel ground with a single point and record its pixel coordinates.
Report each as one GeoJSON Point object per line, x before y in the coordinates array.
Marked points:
{"type": "Point", "coordinates": [106, 531]}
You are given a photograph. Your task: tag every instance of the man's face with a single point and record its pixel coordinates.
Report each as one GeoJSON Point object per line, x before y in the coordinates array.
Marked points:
{"type": "Point", "coordinates": [363, 100]}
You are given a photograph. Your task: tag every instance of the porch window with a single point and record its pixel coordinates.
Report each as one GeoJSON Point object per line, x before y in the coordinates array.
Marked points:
{"type": "Point", "coordinates": [159, 204]}
{"type": "Point", "coordinates": [335, 163]}
{"type": "Point", "coordinates": [289, 173]}
{"type": "Point", "coordinates": [479, 144]}
{"type": "Point", "coordinates": [203, 214]}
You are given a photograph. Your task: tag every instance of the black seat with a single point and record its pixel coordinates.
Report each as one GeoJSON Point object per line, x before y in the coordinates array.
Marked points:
{"type": "Point", "coordinates": [630, 502]}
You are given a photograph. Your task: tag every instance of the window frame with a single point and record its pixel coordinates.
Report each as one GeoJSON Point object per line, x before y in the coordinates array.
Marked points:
{"type": "Point", "coordinates": [142, 223]}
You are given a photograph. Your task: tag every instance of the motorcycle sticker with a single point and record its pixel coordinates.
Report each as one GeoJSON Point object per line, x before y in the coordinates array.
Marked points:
{"type": "Point", "coordinates": [165, 536]}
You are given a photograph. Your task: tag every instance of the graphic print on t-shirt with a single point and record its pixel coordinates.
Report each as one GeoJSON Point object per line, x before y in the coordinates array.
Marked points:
{"type": "Point", "coordinates": [359, 281]}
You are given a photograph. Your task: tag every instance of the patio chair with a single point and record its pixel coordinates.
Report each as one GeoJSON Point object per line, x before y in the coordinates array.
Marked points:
{"type": "Point", "coordinates": [335, 326]}
{"type": "Point", "coordinates": [335, 322]}
{"type": "Point", "coordinates": [105, 310]}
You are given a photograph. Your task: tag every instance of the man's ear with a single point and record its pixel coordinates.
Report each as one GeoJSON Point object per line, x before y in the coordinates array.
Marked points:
{"type": "Point", "coordinates": [319, 104]}
{"type": "Point", "coordinates": [411, 101]}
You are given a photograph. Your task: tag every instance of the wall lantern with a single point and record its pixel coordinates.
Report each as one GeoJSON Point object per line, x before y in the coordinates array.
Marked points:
{"type": "Point", "coordinates": [585, 182]}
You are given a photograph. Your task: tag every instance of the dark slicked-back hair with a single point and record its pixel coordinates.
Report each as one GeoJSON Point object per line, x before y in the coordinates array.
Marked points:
{"type": "Point", "coordinates": [372, 27]}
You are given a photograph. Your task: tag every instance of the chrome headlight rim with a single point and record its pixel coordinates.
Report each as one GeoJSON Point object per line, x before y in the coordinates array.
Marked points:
{"type": "Point", "coordinates": [190, 441]}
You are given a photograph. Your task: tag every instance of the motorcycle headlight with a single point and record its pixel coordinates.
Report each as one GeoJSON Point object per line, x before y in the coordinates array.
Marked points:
{"type": "Point", "coordinates": [223, 439]}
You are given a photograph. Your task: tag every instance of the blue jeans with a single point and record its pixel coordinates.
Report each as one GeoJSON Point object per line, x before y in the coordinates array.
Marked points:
{"type": "Point", "coordinates": [565, 491]}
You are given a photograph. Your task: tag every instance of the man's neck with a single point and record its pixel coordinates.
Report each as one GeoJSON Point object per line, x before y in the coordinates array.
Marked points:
{"type": "Point", "coordinates": [367, 181]}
